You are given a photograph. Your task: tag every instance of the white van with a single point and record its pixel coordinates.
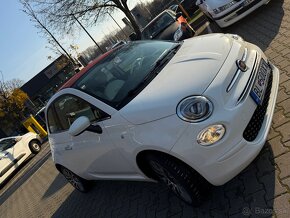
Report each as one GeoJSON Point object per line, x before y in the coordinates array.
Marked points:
{"type": "Point", "coordinates": [227, 12]}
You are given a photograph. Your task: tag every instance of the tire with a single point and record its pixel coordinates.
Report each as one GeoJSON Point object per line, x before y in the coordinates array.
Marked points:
{"type": "Point", "coordinates": [185, 183]}
{"type": "Point", "coordinates": [34, 146]}
{"type": "Point", "coordinates": [77, 182]}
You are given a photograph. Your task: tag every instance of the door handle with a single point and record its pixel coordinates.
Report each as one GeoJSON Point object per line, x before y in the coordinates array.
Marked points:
{"type": "Point", "coordinates": [68, 147]}
{"type": "Point", "coordinates": [95, 128]}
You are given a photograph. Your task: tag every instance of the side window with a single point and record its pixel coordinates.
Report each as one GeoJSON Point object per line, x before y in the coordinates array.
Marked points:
{"type": "Point", "coordinates": [172, 13]}
{"type": "Point", "coordinates": [6, 144]}
{"type": "Point", "coordinates": [66, 109]}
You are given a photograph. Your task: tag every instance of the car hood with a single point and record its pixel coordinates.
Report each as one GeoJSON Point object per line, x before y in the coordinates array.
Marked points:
{"type": "Point", "coordinates": [189, 72]}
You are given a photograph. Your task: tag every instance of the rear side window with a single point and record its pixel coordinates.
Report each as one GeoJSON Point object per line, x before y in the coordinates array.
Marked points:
{"type": "Point", "coordinates": [6, 144]}
{"type": "Point", "coordinates": [66, 109]}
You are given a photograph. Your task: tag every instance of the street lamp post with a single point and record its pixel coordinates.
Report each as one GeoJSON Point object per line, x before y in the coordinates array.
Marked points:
{"type": "Point", "coordinates": [88, 33]}
{"type": "Point", "coordinates": [118, 25]}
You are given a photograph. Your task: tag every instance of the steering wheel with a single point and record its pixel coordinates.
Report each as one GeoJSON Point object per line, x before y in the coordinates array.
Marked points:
{"type": "Point", "coordinates": [136, 65]}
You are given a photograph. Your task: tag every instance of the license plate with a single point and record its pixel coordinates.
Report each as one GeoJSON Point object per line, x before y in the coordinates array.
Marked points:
{"type": "Point", "coordinates": [261, 81]}
{"type": "Point", "coordinates": [247, 2]}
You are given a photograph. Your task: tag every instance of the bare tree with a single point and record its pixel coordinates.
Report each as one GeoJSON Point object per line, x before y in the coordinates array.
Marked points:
{"type": "Point", "coordinates": [14, 84]}
{"type": "Point", "coordinates": [61, 13]}
{"type": "Point", "coordinates": [42, 26]}
{"type": "Point", "coordinates": [7, 87]}
{"type": "Point", "coordinates": [52, 46]}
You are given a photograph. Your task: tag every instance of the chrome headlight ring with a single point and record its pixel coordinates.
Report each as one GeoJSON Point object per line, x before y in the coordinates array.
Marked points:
{"type": "Point", "coordinates": [194, 109]}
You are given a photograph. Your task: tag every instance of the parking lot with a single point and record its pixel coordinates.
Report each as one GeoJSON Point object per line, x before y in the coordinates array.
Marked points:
{"type": "Point", "coordinates": [261, 190]}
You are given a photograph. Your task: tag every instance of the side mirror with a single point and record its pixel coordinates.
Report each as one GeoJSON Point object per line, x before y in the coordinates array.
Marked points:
{"type": "Point", "coordinates": [198, 2]}
{"type": "Point", "coordinates": [79, 126]}
{"type": "Point", "coordinates": [178, 15]}
{"type": "Point", "coordinates": [82, 124]}
{"type": "Point", "coordinates": [18, 138]}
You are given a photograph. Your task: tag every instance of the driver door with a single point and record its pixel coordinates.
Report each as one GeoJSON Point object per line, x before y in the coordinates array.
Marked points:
{"type": "Point", "coordinates": [89, 154]}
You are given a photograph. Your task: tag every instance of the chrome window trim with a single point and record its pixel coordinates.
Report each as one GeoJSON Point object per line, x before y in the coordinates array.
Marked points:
{"type": "Point", "coordinates": [210, 110]}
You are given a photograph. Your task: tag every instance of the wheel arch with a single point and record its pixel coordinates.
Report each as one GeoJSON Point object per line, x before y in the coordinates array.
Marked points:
{"type": "Point", "coordinates": [33, 140]}
{"type": "Point", "coordinates": [145, 168]}
{"type": "Point", "coordinates": [58, 166]}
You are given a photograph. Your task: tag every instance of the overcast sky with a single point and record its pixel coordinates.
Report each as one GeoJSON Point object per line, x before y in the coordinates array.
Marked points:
{"type": "Point", "coordinates": [23, 51]}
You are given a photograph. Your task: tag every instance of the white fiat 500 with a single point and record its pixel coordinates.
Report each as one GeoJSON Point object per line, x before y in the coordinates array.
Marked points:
{"type": "Point", "coordinates": [227, 12]}
{"type": "Point", "coordinates": [189, 114]}
{"type": "Point", "coordinates": [15, 150]}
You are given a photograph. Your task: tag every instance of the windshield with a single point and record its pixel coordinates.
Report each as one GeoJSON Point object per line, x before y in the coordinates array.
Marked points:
{"type": "Point", "coordinates": [6, 143]}
{"type": "Point", "coordinates": [114, 77]}
{"type": "Point", "coordinates": [157, 26]}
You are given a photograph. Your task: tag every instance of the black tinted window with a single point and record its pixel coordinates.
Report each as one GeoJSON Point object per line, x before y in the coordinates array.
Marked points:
{"type": "Point", "coordinates": [112, 79]}
{"type": "Point", "coordinates": [6, 144]}
{"type": "Point", "coordinates": [66, 109]}
{"type": "Point", "coordinates": [157, 25]}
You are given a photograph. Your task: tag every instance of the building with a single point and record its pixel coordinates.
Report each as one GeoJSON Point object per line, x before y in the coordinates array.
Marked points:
{"type": "Point", "coordinates": [2, 134]}
{"type": "Point", "coordinates": [138, 13]}
{"type": "Point", "coordinates": [39, 89]}
{"type": "Point", "coordinates": [43, 85]}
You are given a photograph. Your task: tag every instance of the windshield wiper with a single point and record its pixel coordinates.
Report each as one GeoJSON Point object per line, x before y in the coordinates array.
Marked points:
{"type": "Point", "coordinates": [164, 58]}
{"type": "Point", "coordinates": [134, 90]}
{"type": "Point", "coordinates": [155, 69]}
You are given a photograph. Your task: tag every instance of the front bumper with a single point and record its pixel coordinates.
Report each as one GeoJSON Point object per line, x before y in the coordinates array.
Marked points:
{"type": "Point", "coordinates": [229, 17]}
{"type": "Point", "coordinates": [224, 160]}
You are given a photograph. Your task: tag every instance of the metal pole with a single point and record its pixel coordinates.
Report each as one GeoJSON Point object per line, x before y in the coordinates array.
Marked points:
{"type": "Point", "coordinates": [108, 38]}
{"type": "Point", "coordinates": [183, 10]}
{"type": "Point", "coordinates": [88, 34]}
{"type": "Point", "coordinates": [118, 25]}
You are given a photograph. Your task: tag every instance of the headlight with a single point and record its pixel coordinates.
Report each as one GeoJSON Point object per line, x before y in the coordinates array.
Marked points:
{"type": "Point", "coordinates": [211, 135]}
{"type": "Point", "coordinates": [178, 34]}
{"type": "Point", "coordinates": [224, 7]}
{"type": "Point", "coordinates": [194, 109]}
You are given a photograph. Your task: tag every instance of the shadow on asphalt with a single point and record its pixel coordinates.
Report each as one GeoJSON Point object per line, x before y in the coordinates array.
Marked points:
{"type": "Point", "coordinates": [58, 183]}
{"type": "Point", "coordinates": [261, 26]}
{"type": "Point", "coordinates": [250, 192]}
